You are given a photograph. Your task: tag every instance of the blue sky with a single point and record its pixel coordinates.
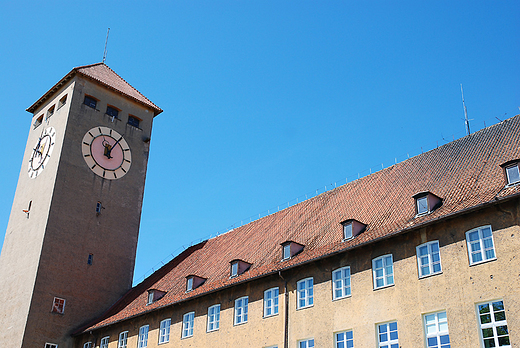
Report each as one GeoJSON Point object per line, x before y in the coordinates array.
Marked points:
{"type": "Point", "coordinates": [265, 102]}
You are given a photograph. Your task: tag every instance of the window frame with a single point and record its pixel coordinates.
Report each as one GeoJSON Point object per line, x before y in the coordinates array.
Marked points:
{"type": "Point", "coordinates": [50, 345]}
{"type": "Point", "coordinates": [271, 303]}
{"type": "Point", "coordinates": [188, 321]}
{"type": "Point", "coordinates": [142, 337]}
{"type": "Point", "coordinates": [286, 252]}
{"type": "Point", "coordinates": [493, 324]}
{"type": "Point", "coordinates": [189, 284]}
{"type": "Point", "coordinates": [385, 276]}
{"type": "Point", "coordinates": [122, 341]}
{"type": "Point", "coordinates": [104, 342]}
{"type": "Point", "coordinates": [62, 101]}
{"type": "Point", "coordinates": [346, 340]}
{"type": "Point", "coordinates": [112, 110]}
{"type": "Point", "coordinates": [241, 311]}
{"type": "Point", "coordinates": [306, 341]}
{"type": "Point", "coordinates": [61, 308]}
{"type": "Point", "coordinates": [95, 100]}
{"type": "Point", "coordinates": [344, 288]}
{"type": "Point", "coordinates": [87, 345]}
{"type": "Point", "coordinates": [348, 226]}
{"type": "Point", "coordinates": [130, 116]}
{"type": "Point", "coordinates": [431, 263]}
{"type": "Point", "coordinates": [305, 294]}
{"type": "Point", "coordinates": [164, 330]}
{"type": "Point", "coordinates": [216, 321]}
{"type": "Point", "coordinates": [438, 333]}
{"type": "Point", "coordinates": [482, 249]}
{"type": "Point", "coordinates": [390, 342]}
{"type": "Point", "coordinates": [234, 269]}
{"type": "Point", "coordinates": [506, 169]}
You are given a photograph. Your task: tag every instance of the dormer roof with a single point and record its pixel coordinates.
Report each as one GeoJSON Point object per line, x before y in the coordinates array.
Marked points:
{"type": "Point", "coordinates": [101, 74]}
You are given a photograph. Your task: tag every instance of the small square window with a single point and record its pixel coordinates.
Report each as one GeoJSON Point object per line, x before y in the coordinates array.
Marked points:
{"type": "Point", "coordinates": [50, 112]}
{"type": "Point", "coordinates": [90, 259]}
{"type": "Point", "coordinates": [387, 335]}
{"type": "Point", "coordinates": [62, 101]}
{"type": "Point", "coordinates": [133, 121]}
{"type": "Point", "coordinates": [112, 111]}
{"type": "Point", "coordinates": [51, 345]}
{"type": "Point", "coordinates": [90, 101]}
{"type": "Point", "coordinates": [344, 339]}
{"type": "Point", "coordinates": [58, 305]}
{"type": "Point", "coordinates": [513, 174]}
{"type": "Point", "coordinates": [306, 343]}
{"type": "Point", "coordinates": [38, 121]}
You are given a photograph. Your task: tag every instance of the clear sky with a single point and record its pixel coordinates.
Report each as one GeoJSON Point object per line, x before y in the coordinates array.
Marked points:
{"type": "Point", "coordinates": [265, 102]}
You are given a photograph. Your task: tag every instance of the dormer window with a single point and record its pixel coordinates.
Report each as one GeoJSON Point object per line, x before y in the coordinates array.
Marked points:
{"type": "Point", "coordinates": [154, 295]}
{"type": "Point", "coordinates": [193, 282]}
{"type": "Point", "coordinates": [290, 249]}
{"type": "Point", "coordinates": [238, 267]}
{"type": "Point", "coordinates": [513, 174]}
{"type": "Point", "coordinates": [352, 228]}
{"type": "Point", "coordinates": [426, 202]}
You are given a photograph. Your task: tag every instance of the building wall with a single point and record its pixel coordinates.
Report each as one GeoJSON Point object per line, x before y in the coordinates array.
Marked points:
{"type": "Point", "coordinates": [457, 290]}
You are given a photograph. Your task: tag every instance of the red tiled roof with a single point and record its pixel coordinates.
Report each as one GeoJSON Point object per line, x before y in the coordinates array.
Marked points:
{"type": "Point", "coordinates": [105, 76]}
{"type": "Point", "coordinates": [465, 173]}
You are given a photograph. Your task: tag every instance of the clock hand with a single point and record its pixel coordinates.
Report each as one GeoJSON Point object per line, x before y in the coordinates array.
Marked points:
{"type": "Point", "coordinates": [110, 149]}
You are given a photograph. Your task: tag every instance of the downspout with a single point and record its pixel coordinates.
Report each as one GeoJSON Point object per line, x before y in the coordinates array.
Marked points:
{"type": "Point", "coordinates": [286, 308]}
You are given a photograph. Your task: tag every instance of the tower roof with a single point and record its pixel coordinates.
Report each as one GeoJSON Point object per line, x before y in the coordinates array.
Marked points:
{"type": "Point", "coordinates": [103, 75]}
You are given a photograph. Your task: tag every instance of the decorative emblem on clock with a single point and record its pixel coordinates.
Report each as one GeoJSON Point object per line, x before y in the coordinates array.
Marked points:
{"type": "Point", "coordinates": [106, 152]}
{"type": "Point", "coordinates": [41, 152]}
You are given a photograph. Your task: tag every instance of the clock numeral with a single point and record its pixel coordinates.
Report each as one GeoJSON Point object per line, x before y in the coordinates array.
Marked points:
{"type": "Point", "coordinates": [90, 134]}
{"type": "Point", "coordinates": [86, 143]}
{"type": "Point", "coordinates": [94, 166]}
{"type": "Point", "coordinates": [115, 176]}
{"type": "Point", "coordinates": [104, 173]}
{"type": "Point", "coordinates": [127, 160]}
{"type": "Point", "coordinates": [126, 149]}
{"type": "Point", "coordinates": [123, 169]}
{"type": "Point", "coordinates": [86, 155]}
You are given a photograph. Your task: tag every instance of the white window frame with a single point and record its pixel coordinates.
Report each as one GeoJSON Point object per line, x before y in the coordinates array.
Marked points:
{"type": "Point", "coordinates": [87, 345]}
{"type": "Point", "coordinates": [390, 342]}
{"type": "Point", "coordinates": [385, 275]}
{"type": "Point", "coordinates": [422, 205]}
{"type": "Point", "coordinates": [286, 249]}
{"type": "Point", "coordinates": [347, 340]}
{"type": "Point", "coordinates": [51, 345]}
{"type": "Point", "coordinates": [482, 243]}
{"type": "Point", "coordinates": [241, 309]}
{"type": "Point", "coordinates": [56, 305]}
{"type": "Point", "coordinates": [429, 260]}
{"type": "Point", "coordinates": [164, 331]}
{"type": "Point", "coordinates": [348, 231]}
{"type": "Point", "coordinates": [104, 342]}
{"type": "Point", "coordinates": [123, 339]}
{"type": "Point", "coordinates": [305, 290]}
{"type": "Point", "coordinates": [189, 284]}
{"type": "Point", "coordinates": [150, 297]}
{"type": "Point", "coordinates": [188, 321]}
{"type": "Point", "coordinates": [142, 341]}
{"type": "Point", "coordinates": [234, 269]}
{"type": "Point", "coordinates": [307, 343]}
{"type": "Point", "coordinates": [493, 324]}
{"type": "Point", "coordinates": [436, 329]}
{"type": "Point", "coordinates": [517, 171]}
{"type": "Point", "coordinates": [213, 318]}
{"type": "Point", "coordinates": [271, 302]}
{"type": "Point", "coordinates": [341, 283]}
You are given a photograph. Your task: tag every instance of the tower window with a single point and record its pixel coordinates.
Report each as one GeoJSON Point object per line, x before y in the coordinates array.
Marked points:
{"type": "Point", "coordinates": [58, 306]}
{"type": "Point", "coordinates": [90, 101]}
{"type": "Point", "coordinates": [62, 101]}
{"type": "Point", "coordinates": [112, 111]}
{"type": "Point", "coordinates": [133, 121]}
{"type": "Point", "coordinates": [51, 345]}
{"type": "Point", "coordinates": [50, 112]}
{"type": "Point", "coordinates": [99, 206]}
{"type": "Point", "coordinates": [38, 121]}
{"type": "Point", "coordinates": [90, 259]}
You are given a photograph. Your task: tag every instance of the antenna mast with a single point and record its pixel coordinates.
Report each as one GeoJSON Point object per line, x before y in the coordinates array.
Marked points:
{"type": "Point", "coordinates": [466, 121]}
{"type": "Point", "coordinates": [106, 42]}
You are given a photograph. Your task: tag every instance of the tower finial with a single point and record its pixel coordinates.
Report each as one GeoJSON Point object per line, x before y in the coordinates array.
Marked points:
{"type": "Point", "coordinates": [105, 52]}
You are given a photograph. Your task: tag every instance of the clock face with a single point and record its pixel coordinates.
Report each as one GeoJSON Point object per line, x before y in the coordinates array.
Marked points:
{"type": "Point", "coordinates": [41, 152]}
{"type": "Point", "coordinates": [106, 153]}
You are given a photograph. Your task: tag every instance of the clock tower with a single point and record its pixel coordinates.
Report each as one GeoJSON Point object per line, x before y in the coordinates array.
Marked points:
{"type": "Point", "coordinates": [70, 244]}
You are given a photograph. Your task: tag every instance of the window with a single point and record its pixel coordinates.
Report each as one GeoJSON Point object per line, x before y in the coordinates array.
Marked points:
{"type": "Point", "coordinates": [306, 343]}
{"type": "Point", "coordinates": [99, 206]}
{"type": "Point", "coordinates": [426, 202]}
{"type": "Point", "coordinates": [133, 121]}
{"type": "Point", "coordinates": [38, 121]}
{"type": "Point", "coordinates": [271, 302]}
{"type": "Point", "coordinates": [90, 259]}
{"type": "Point", "coordinates": [387, 335]}
{"type": "Point", "coordinates": [344, 339]}
{"type": "Point", "coordinates": [436, 330]}
{"type": "Point", "coordinates": [383, 271]}
{"type": "Point", "coordinates": [429, 259]}
{"type": "Point", "coordinates": [513, 174]}
{"type": "Point", "coordinates": [187, 324]}
{"type": "Point", "coordinates": [305, 293]}
{"type": "Point", "coordinates": [286, 251]}
{"type": "Point", "coordinates": [347, 230]}
{"type": "Point", "coordinates": [123, 337]}
{"type": "Point", "coordinates": [290, 249]}
{"type": "Point", "coordinates": [58, 305]}
{"type": "Point", "coordinates": [62, 101]}
{"type": "Point", "coordinates": [50, 112]}
{"type": "Point", "coordinates": [150, 297]}
{"type": "Point", "coordinates": [87, 345]}
{"type": "Point", "coordinates": [341, 283]}
{"type": "Point", "coordinates": [213, 318]}
{"type": "Point", "coordinates": [234, 269]}
{"type": "Point", "coordinates": [480, 245]}
{"type": "Point", "coordinates": [493, 325]}
{"type": "Point", "coordinates": [164, 331]}
{"type": "Point", "coordinates": [142, 341]}
{"type": "Point", "coordinates": [90, 101]}
{"type": "Point", "coordinates": [241, 310]}
{"type": "Point", "coordinates": [189, 284]}
{"type": "Point", "coordinates": [422, 205]}
{"type": "Point", "coordinates": [51, 345]}
{"type": "Point", "coordinates": [104, 342]}
{"type": "Point", "coordinates": [112, 111]}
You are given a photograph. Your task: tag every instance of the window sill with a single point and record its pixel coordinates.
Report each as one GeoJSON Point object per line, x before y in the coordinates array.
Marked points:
{"type": "Point", "coordinates": [513, 184]}
{"type": "Point", "coordinates": [269, 316]}
{"type": "Point", "coordinates": [422, 214]}
{"type": "Point", "coordinates": [481, 262]}
{"type": "Point", "coordinates": [342, 297]}
{"type": "Point", "coordinates": [242, 323]}
{"type": "Point", "coordinates": [163, 342]}
{"type": "Point", "coordinates": [384, 287]}
{"type": "Point", "coordinates": [208, 331]}
{"type": "Point", "coordinates": [430, 275]}
{"type": "Point", "coordinates": [305, 307]}
{"type": "Point", "coordinates": [185, 337]}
